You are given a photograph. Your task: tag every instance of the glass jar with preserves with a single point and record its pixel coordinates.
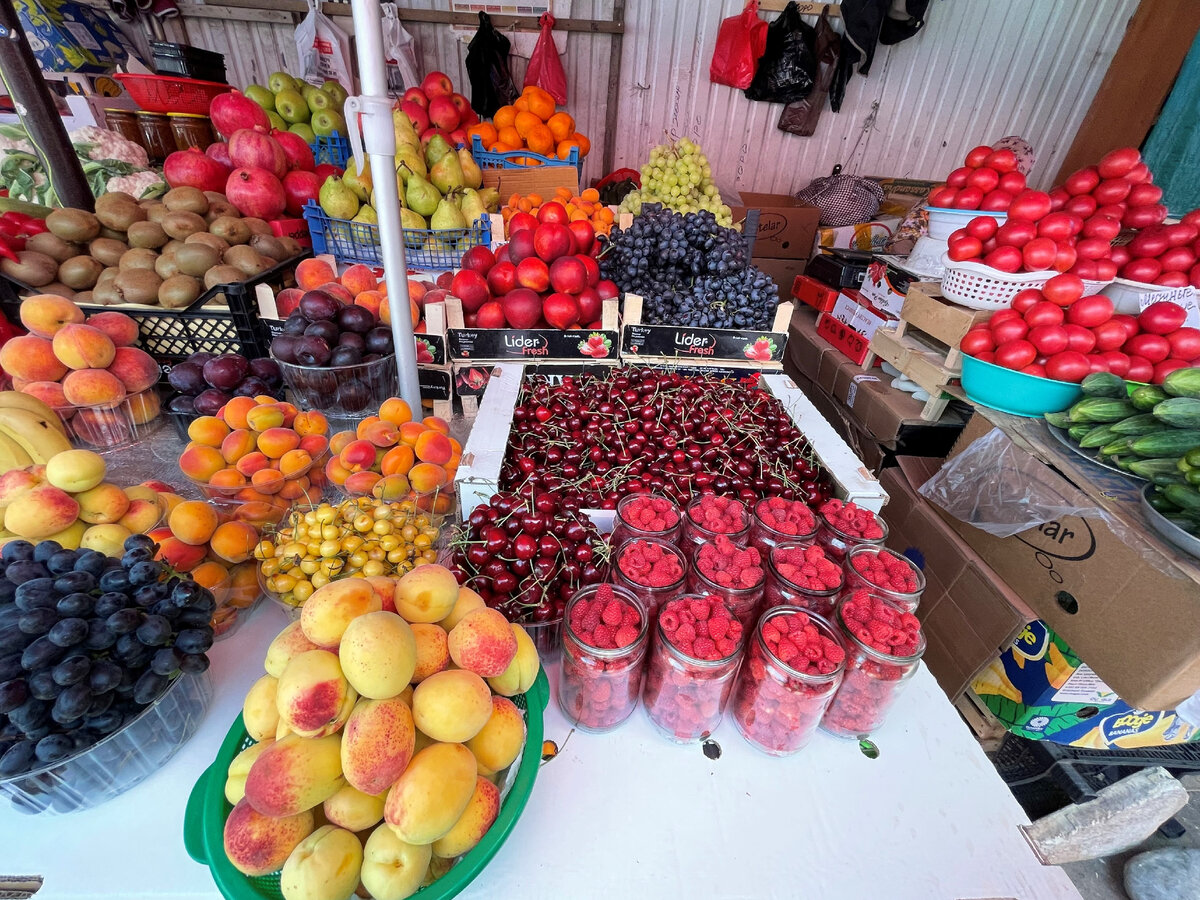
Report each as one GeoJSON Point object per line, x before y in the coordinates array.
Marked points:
{"type": "Point", "coordinates": [157, 137]}
{"type": "Point", "coordinates": [124, 123]}
{"type": "Point", "coordinates": [191, 130]}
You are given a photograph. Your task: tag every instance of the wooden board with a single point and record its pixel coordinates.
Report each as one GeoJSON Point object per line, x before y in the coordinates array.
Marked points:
{"type": "Point", "coordinates": [534, 180]}
{"type": "Point", "coordinates": [988, 730]}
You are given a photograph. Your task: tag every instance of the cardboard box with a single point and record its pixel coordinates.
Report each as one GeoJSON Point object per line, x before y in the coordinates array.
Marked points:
{"type": "Point", "coordinates": [901, 194]}
{"type": "Point", "coordinates": [886, 284]}
{"type": "Point", "coordinates": [1040, 689]}
{"type": "Point", "coordinates": [534, 180]}
{"type": "Point", "coordinates": [653, 344]}
{"type": "Point", "coordinates": [872, 235]}
{"type": "Point", "coordinates": [865, 447]}
{"type": "Point", "coordinates": [69, 37]}
{"type": "Point", "coordinates": [782, 271]}
{"type": "Point", "coordinates": [785, 228]}
{"type": "Point", "coordinates": [534, 344]}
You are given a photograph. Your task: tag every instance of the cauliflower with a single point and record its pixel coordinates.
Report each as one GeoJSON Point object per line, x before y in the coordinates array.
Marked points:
{"type": "Point", "coordinates": [142, 185]}
{"type": "Point", "coordinates": [100, 143]}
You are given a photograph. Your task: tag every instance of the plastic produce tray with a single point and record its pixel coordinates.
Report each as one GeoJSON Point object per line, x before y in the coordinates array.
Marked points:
{"type": "Point", "coordinates": [513, 159]}
{"type": "Point", "coordinates": [358, 242]}
{"type": "Point", "coordinates": [333, 149]}
{"type": "Point", "coordinates": [170, 93]}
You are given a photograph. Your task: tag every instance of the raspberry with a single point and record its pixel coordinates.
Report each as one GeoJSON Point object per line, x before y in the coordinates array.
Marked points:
{"type": "Point", "coordinates": [684, 632]}
{"type": "Point", "coordinates": [786, 651]}
{"type": "Point", "coordinates": [701, 609]}
{"type": "Point", "coordinates": [630, 616]}
{"type": "Point", "coordinates": [591, 616]}
{"type": "Point", "coordinates": [652, 514]}
{"type": "Point", "coordinates": [705, 648]}
{"type": "Point", "coordinates": [614, 612]}
{"type": "Point", "coordinates": [625, 636]}
{"type": "Point", "coordinates": [602, 637]}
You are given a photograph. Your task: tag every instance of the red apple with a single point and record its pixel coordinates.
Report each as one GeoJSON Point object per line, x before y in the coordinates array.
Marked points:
{"type": "Point", "coordinates": [300, 186]}
{"type": "Point", "coordinates": [502, 278]}
{"type": "Point", "coordinates": [553, 211]}
{"type": "Point", "coordinates": [521, 221]}
{"type": "Point", "coordinates": [532, 273]}
{"type": "Point", "coordinates": [461, 103]}
{"type": "Point", "coordinates": [480, 258]}
{"type": "Point", "coordinates": [590, 305]}
{"type": "Point", "coordinates": [522, 308]}
{"type": "Point", "coordinates": [591, 267]}
{"type": "Point", "coordinates": [552, 241]}
{"type": "Point", "coordinates": [428, 134]}
{"type": "Point", "coordinates": [458, 136]}
{"type": "Point", "coordinates": [471, 320]}
{"type": "Point", "coordinates": [471, 288]}
{"type": "Point", "coordinates": [607, 290]}
{"type": "Point", "coordinates": [417, 114]}
{"type": "Point", "coordinates": [437, 84]}
{"type": "Point", "coordinates": [443, 113]}
{"type": "Point", "coordinates": [521, 246]}
{"type": "Point", "coordinates": [568, 275]}
{"type": "Point", "coordinates": [444, 280]}
{"type": "Point", "coordinates": [585, 235]}
{"type": "Point", "coordinates": [469, 118]}
{"type": "Point", "coordinates": [561, 310]}
{"type": "Point", "coordinates": [287, 301]}
{"type": "Point", "coordinates": [328, 170]}
{"type": "Point", "coordinates": [490, 315]}
{"type": "Point", "coordinates": [417, 96]}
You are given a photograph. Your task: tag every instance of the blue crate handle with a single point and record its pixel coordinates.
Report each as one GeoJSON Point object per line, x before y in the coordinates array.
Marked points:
{"type": "Point", "coordinates": [488, 159]}
{"type": "Point", "coordinates": [333, 149]}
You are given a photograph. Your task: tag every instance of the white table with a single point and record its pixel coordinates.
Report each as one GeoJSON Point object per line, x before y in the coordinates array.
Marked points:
{"type": "Point", "coordinates": [629, 815]}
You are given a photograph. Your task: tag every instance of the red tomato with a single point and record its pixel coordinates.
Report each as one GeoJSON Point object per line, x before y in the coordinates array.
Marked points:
{"type": "Point", "coordinates": [1012, 182]}
{"type": "Point", "coordinates": [1128, 322]}
{"type": "Point", "coordinates": [1172, 279]}
{"type": "Point", "coordinates": [1025, 300]}
{"type": "Point", "coordinates": [1015, 354]}
{"type": "Point", "coordinates": [982, 227]}
{"type": "Point", "coordinates": [996, 201]}
{"type": "Point", "coordinates": [1092, 248]}
{"type": "Point", "coordinates": [1059, 226]}
{"type": "Point", "coordinates": [1165, 368]}
{"type": "Point", "coordinates": [977, 156]}
{"type": "Point", "coordinates": [1002, 160]}
{"type": "Point", "coordinates": [1031, 205]}
{"type": "Point", "coordinates": [1153, 347]}
{"type": "Point", "coordinates": [1043, 312]}
{"type": "Point", "coordinates": [968, 198]}
{"type": "Point", "coordinates": [942, 198]}
{"type": "Point", "coordinates": [1084, 268]}
{"type": "Point", "coordinates": [1162, 317]}
{"type": "Point", "coordinates": [1065, 258]}
{"type": "Point", "coordinates": [1120, 254]}
{"type": "Point", "coordinates": [1149, 244]}
{"type": "Point", "coordinates": [1016, 232]}
{"type": "Point", "coordinates": [1091, 311]}
{"type": "Point", "coordinates": [1144, 195]}
{"type": "Point", "coordinates": [1082, 340]}
{"type": "Point", "coordinates": [1192, 218]}
{"type": "Point", "coordinates": [1035, 369]}
{"type": "Point", "coordinates": [1144, 216]}
{"type": "Point", "coordinates": [1006, 259]}
{"type": "Point", "coordinates": [1112, 190]}
{"type": "Point", "coordinates": [1049, 339]}
{"type": "Point", "coordinates": [1039, 254]}
{"type": "Point", "coordinates": [984, 178]}
{"type": "Point", "coordinates": [1181, 233]}
{"type": "Point", "coordinates": [1194, 276]}
{"type": "Point", "coordinates": [1139, 174]}
{"type": "Point", "coordinates": [1009, 330]}
{"type": "Point", "coordinates": [1002, 315]}
{"type": "Point", "coordinates": [1185, 343]}
{"type": "Point", "coordinates": [1177, 259]}
{"type": "Point", "coordinates": [1106, 270]}
{"type": "Point", "coordinates": [1097, 362]}
{"type": "Point", "coordinates": [962, 246]}
{"type": "Point", "coordinates": [1082, 182]}
{"type": "Point", "coordinates": [1118, 362]}
{"type": "Point", "coordinates": [977, 340]}
{"type": "Point", "coordinates": [1083, 205]}
{"type": "Point", "coordinates": [1063, 289]}
{"type": "Point", "coordinates": [1110, 335]}
{"type": "Point", "coordinates": [1113, 210]}
{"type": "Point", "coordinates": [1140, 369]}
{"type": "Point", "coordinates": [1070, 365]}
{"type": "Point", "coordinates": [1100, 227]}
{"type": "Point", "coordinates": [1142, 270]}
{"type": "Point", "coordinates": [1118, 162]}
{"type": "Point", "coordinates": [987, 356]}
{"type": "Point", "coordinates": [1058, 199]}
{"type": "Point", "coordinates": [958, 178]}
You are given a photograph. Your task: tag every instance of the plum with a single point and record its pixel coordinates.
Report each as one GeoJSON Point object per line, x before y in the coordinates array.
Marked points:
{"type": "Point", "coordinates": [200, 357]}
{"type": "Point", "coordinates": [379, 340]}
{"type": "Point", "coordinates": [350, 339]}
{"type": "Point", "coordinates": [358, 319]}
{"type": "Point", "coordinates": [317, 305]}
{"type": "Point", "coordinates": [312, 351]}
{"type": "Point", "coordinates": [208, 403]}
{"type": "Point", "coordinates": [295, 323]}
{"type": "Point", "coordinates": [353, 395]}
{"type": "Point", "coordinates": [187, 378]}
{"type": "Point", "coordinates": [182, 404]}
{"type": "Point", "coordinates": [345, 356]}
{"type": "Point", "coordinates": [252, 386]}
{"type": "Point", "coordinates": [226, 372]}
{"type": "Point", "coordinates": [325, 330]}
{"type": "Point", "coordinates": [284, 346]}
{"type": "Point", "coordinates": [267, 370]}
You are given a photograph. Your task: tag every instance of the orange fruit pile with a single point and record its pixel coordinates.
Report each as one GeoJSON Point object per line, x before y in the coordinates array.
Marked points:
{"type": "Point", "coordinates": [586, 206]}
{"type": "Point", "coordinates": [532, 123]}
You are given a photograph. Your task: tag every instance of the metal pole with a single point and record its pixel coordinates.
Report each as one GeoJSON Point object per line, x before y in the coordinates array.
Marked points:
{"type": "Point", "coordinates": [23, 81]}
{"type": "Point", "coordinates": [379, 140]}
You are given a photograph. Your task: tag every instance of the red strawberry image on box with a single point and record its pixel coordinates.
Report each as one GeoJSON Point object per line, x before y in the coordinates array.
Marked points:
{"type": "Point", "coordinates": [762, 350]}
{"type": "Point", "coordinates": [424, 352]}
{"type": "Point", "coordinates": [596, 346]}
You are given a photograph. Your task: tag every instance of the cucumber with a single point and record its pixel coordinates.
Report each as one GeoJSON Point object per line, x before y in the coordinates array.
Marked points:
{"type": "Point", "coordinates": [1119, 445]}
{"type": "Point", "coordinates": [1147, 397]}
{"type": "Point", "coordinates": [1105, 384]}
{"type": "Point", "coordinates": [1101, 409]}
{"type": "Point", "coordinates": [1183, 383]}
{"type": "Point", "coordinates": [1192, 477]}
{"type": "Point", "coordinates": [1076, 432]}
{"type": "Point", "coordinates": [1143, 423]}
{"type": "Point", "coordinates": [1154, 469]}
{"type": "Point", "coordinates": [1098, 436]}
{"type": "Point", "coordinates": [1171, 442]}
{"type": "Point", "coordinates": [1193, 458]}
{"type": "Point", "coordinates": [1187, 523]}
{"type": "Point", "coordinates": [1160, 503]}
{"type": "Point", "coordinates": [1179, 412]}
{"type": "Point", "coordinates": [1183, 466]}
{"type": "Point", "coordinates": [1059, 419]}
{"type": "Point", "coordinates": [1186, 497]}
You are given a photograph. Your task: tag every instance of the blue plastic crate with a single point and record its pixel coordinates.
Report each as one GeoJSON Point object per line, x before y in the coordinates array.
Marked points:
{"type": "Point", "coordinates": [486, 159]}
{"type": "Point", "coordinates": [333, 149]}
{"type": "Point", "coordinates": [357, 242]}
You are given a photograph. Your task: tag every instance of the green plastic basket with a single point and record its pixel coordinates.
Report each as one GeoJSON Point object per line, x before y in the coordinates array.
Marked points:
{"type": "Point", "coordinates": [207, 809]}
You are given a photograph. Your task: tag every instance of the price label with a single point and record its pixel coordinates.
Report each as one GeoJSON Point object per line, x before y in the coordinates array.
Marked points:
{"type": "Point", "coordinates": [1181, 296]}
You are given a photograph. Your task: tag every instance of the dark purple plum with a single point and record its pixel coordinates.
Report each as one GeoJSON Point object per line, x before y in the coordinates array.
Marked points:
{"type": "Point", "coordinates": [326, 331]}
{"type": "Point", "coordinates": [267, 370]}
{"type": "Point", "coordinates": [200, 357]}
{"type": "Point", "coordinates": [379, 340]}
{"type": "Point", "coordinates": [350, 339]}
{"type": "Point", "coordinates": [312, 351]}
{"type": "Point", "coordinates": [358, 319]}
{"type": "Point", "coordinates": [353, 395]}
{"type": "Point", "coordinates": [208, 403]}
{"type": "Point", "coordinates": [187, 378]}
{"type": "Point", "coordinates": [345, 356]}
{"type": "Point", "coordinates": [182, 404]}
{"type": "Point", "coordinates": [317, 305]}
{"type": "Point", "coordinates": [226, 372]}
{"type": "Point", "coordinates": [284, 347]}
{"type": "Point", "coordinates": [295, 324]}
{"type": "Point", "coordinates": [252, 387]}
{"type": "Point", "coordinates": [371, 357]}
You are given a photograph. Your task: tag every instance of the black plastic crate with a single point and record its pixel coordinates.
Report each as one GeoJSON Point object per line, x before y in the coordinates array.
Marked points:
{"type": "Point", "coordinates": [190, 62]}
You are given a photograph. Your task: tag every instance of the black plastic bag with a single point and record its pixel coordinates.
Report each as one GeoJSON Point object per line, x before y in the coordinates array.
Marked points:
{"type": "Point", "coordinates": [801, 117]}
{"type": "Point", "coordinates": [788, 67]}
{"type": "Point", "coordinates": [487, 66]}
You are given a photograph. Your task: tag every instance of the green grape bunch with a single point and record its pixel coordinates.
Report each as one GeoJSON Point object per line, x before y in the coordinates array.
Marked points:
{"type": "Point", "coordinates": [678, 176]}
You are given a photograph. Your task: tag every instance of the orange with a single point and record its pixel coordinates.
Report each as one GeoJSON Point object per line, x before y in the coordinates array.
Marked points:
{"type": "Point", "coordinates": [540, 140]}
{"type": "Point", "coordinates": [504, 116]}
{"type": "Point", "coordinates": [525, 123]}
{"type": "Point", "coordinates": [498, 147]}
{"type": "Point", "coordinates": [541, 104]}
{"type": "Point", "coordinates": [562, 126]}
{"type": "Point", "coordinates": [510, 136]}
{"type": "Point", "coordinates": [585, 146]}
{"type": "Point", "coordinates": [522, 105]}
{"type": "Point", "coordinates": [564, 148]}
{"type": "Point", "coordinates": [485, 130]}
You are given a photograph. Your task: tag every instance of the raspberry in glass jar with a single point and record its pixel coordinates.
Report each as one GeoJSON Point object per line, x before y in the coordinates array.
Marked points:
{"type": "Point", "coordinates": [884, 645]}
{"type": "Point", "coordinates": [694, 656]}
{"type": "Point", "coordinates": [646, 516]}
{"type": "Point", "coordinates": [886, 574]}
{"type": "Point", "coordinates": [792, 669]}
{"type": "Point", "coordinates": [652, 569]}
{"type": "Point", "coordinates": [802, 576]}
{"type": "Point", "coordinates": [605, 635]}
{"type": "Point", "coordinates": [722, 569]}
{"type": "Point", "coordinates": [843, 526]}
{"type": "Point", "coordinates": [779, 521]}
{"type": "Point", "coordinates": [708, 515]}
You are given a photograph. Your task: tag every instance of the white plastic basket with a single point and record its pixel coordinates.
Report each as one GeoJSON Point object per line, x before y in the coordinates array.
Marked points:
{"type": "Point", "coordinates": [943, 221]}
{"type": "Point", "coordinates": [1126, 295]}
{"type": "Point", "coordinates": [1091, 288]}
{"type": "Point", "coordinates": [977, 286]}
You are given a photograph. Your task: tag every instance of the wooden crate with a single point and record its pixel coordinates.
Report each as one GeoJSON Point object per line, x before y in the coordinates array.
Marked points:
{"type": "Point", "coordinates": [531, 345]}
{"type": "Point", "coordinates": [679, 345]}
{"type": "Point", "coordinates": [988, 730]}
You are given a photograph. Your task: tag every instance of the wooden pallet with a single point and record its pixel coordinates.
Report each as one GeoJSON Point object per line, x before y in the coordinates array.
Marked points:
{"type": "Point", "coordinates": [988, 730]}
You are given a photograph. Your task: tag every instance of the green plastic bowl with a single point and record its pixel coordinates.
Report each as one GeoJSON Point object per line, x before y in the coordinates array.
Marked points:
{"type": "Point", "coordinates": [1015, 392]}
{"type": "Point", "coordinates": [207, 809]}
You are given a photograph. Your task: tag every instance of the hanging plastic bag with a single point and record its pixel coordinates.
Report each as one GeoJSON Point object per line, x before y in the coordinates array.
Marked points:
{"type": "Point", "coordinates": [324, 50]}
{"type": "Point", "coordinates": [545, 68]}
{"type": "Point", "coordinates": [788, 67]}
{"type": "Point", "coordinates": [741, 40]}
{"type": "Point", "coordinates": [487, 66]}
{"type": "Point", "coordinates": [801, 117]}
{"type": "Point", "coordinates": [400, 55]}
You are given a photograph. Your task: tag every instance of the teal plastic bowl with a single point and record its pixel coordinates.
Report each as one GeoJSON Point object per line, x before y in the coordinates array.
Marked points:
{"type": "Point", "coordinates": [1015, 392]}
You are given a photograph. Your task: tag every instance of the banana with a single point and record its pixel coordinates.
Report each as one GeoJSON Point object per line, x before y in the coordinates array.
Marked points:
{"type": "Point", "coordinates": [12, 455]}
{"type": "Point", "coordinates": [19, 400]}
{"type": "Point", "coordinates": [35, 435]}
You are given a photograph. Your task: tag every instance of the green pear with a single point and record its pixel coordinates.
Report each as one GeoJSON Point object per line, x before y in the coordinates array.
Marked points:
{"type": "Point", "coordinates": [291, 106]}
{"type": "Point", "coordinates": [446, 174]}
{"type": "Point", "coordinates": [282, 81]}
{"type": "Point", "coordinates": [412, 221]}
{"type": "Point", "coordinates": [338, 201]}
{"type": "Point", "coordinates": [422, 197]}
{"type": "Point", "coordinates": [472, 175]}
{"type": "Point", "coordinates": [367, 216]}
{"type": "Point", "coordinates": [447, 216]}
{"type": "Point", "coordinates": [403, 126]}
{"type": "Point", "coordinates": [318, 100]}
{"type": "Point", "coordinates": [408, 160]}
{"type": "Point", "coordinates": [359, 182]}
{"type": "Point", "coordinates": [276, 120]}
{"type": "Point", "coordinates": [437, 147]}
{"type": "Point", "coordinates": [490, 198]}
{"type": "Point", "coordinates": [472, 206]}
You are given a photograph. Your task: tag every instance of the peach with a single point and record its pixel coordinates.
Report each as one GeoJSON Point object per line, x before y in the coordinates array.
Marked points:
{"type": "Point", "coordinates": [377, 744]}
{"type": "Point", "coordinates": [295, 773]}
{"type": "Point", "coordinates": [331, 608]}
{"type": "Point", "coordinates": [314, 445]}
{"type": "Point", "coordinates": [70, 537]}
{"type": "Point", "coordinates": [468, 601]}
{"type": "Point", "coordinates": [200, 462]}
{"type": "Point", "coordinates": [49, 392]}
{"type": "Point", "coordinates": [136, 368]}
{"type": "Point", "coordinates": [452, 705]}
{"type": "Point", "coordinates": [227, 478]}
{"type": "Point", "coordinates": [314, 698]}
{"type": "Point", "coordinates": [482, 642]}
{"type": "Point", "coordinates": [103, 505]}
{"type": "Point", "coordinates": [426, 477]}
{"type": "Point", "coordinates": [262, 418]}
{"type": "Point", "coordinates": [236, 410]}
{"type": "Point", "coordinates": [324, 866]}
{"type": "Point", "coordinates": [360, 483]}
{"type": "Point", "coordinates": [16, 482]}
{"type": "Point", "coordinates": [382, 434]}
{"type": "Point", "coordinates": [522, 671]}
{"type": "Point", "coordinates": [101, 428]}
{"type": "Point", "coordinates": [310, 423]}
{"type": "Point", "coordinates": [433, 447]}
{"type": "Point", "coordinates": [258, 844]}
{"type": "Point", "coordinates": [436, 423]}
{"type": "Point", "coordinates": [252, 462]}
{"type": "Point", "coordinates": [393, 487]}
{"type": "Point", "coordinates": [106, 539]}
{"type": "Point", "coordinates": [259, 713]}
{"type": "Point", "coordinates": [83, 347]}
{"type": "Point", "coordinates": [234, 541]}
{"type": "Point", "coordinates": [372, 300]}
{"type": "Point", "coordinates": [214, 576]}
{"type": "Point", "coordinates": [144, 407]}
{"type": "Point", "coordinates": [120, 328]}
{"type": "Point", "coordinates": [426, 594]}
{"type": "Point", "coordinates": [32, 358]}
{"type": "Point", "coordinates": [238, 443]}
{"type": "Point", "coordinates": [393, 869]}
{"type": "Point", "coordinates": [499, 742]}
{"type": "Point", "coordinates": [353, 810]}
{"type": "Point", "coordinates": [75, 470]}
{"type": "Point", "coordinates": [359, 278]}
{"type": "Point", "coordinates": [44, 314]}
{"type": "Point", "coordinates": [235, 778]}
{"type": "Point", "coordinates": [312, 273]}
{"type": "Point", "coordinates": [209, 431]}
{"type": "Point", "coordinates": [410, 431]}
{"type": "Point", "coordinates": [432, 794]}
{"type": "Point", "coordinates": [384, 587]}
{"type": "Point", "coordinates": [473, 824]}
{"type": "Point", "coordinates": [432, 653]}
{"type": "Point", "coordinates": [396, 411]}
{"type": "Point", "coordinates": [38, 513]}
{"type": "Point", "coordinates": [193, 522]}
{"type": "Point", "coordinates": [275, 442]}
{"type": "Point", "coordinates": [180, 556]}
{"type": "Point", "coordinates": [288, 643]}
{"type": "Point", "coordinates": [294, 462]}
{"type": "Point", "coordinates": [378, 654]}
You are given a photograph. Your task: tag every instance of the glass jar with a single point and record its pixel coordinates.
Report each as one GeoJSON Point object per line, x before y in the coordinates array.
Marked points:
{"type": "Point", "coordinates": [782, 591]}
{"type": "Point", "coordinates": [742, 602]}
{"type": "Point", "coordinates": [872, 682]}
{"type": "Point", "coordinates": [695, 534]}
{"type": "Point", "coordinates": [124, 123]}
{"type": "Point", "coordinates": [906, 600]}
{"type": "Point", "coordinates": [838, 543]}
{"type": "Point", "coordinates": [764, 536]}
{"type": "Point", "coordinates": [157, 137]}
{"type": "Point", "coordinates": [776, 708]}
{"type": "Point", "coordinates": [685, 697]}
{"type": "Point", "coordinates": [652, 597]}
{"type": "Point", "coordinates": [624, 530]}
{"type": "Point", "coordinates": [599, 688]}
{"type": "Point", "coordinates": [191, 130]}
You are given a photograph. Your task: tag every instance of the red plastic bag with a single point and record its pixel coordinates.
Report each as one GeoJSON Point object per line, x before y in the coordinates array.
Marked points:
{"type": "Point", "coordinates": [545, 68]}
{"type": "Point", "coordinates": [741, 40]}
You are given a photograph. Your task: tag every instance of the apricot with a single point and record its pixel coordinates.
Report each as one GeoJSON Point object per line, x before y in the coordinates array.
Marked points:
{"type": "Point", "coordinates": [31, 358]}
{"type": "Point", "coordinates": [432, 794]}
{"type": "Point", "coordinates": [102, 505]}
{"type": "Point", "coordinates": [522, 671]}
{"type": "Point", "coordinates": [360, 484]}
{"type": "Point", "coordinates": [49, 392]}
{"type": "Point", "coordinates": [377, 744]}
{"type": "Point", "coordinates": [497, 745]}
{"type": "Point", "coordinates": [314, 697]}
{"type": "Point", "coordinates": [314, 445]}
{"type": "Point", "coordinates": [397, 461]}
{"type": "Point", "coordinates": [259, 713]}
{"type": "Point", "coordinates": [357, 455]}
{"type": "Point", "coordinates": [214, 576]}
{"type": "Point", "coordinates": [336, 472]}
{"type": "Point", "coordinates": [391, 487]}
{"type": "Point", "coordinates": [70, 537]}
{"type": "Point", "coordinates": [75, 470]}
{"type": "Point", "coordinates": [312, 273]}
{"type": "Point", "coordinates": [44, 314]}
{"type": "Point", "coordinates": [295, 489]}
{"type": "Point", "coordinates": [426, 594]}
{"type": "Point", "coordinates": [168, 500]}
{"type": "Point", "coordinates": [275, 442]}
{"type": "Point", "coordinates": [452, 705]}
{"type": "Point", "coordinates": [234, 541]}
{"type": "Point", "coordinates": [253, 462]}
{"type": "Point", "coordinates": [378, 654]}
{"type": "Point", "coordinates": [238, 443]}
{"type": "Point", "coordinates": [294, 462]}
{"type": "Point", "coordinates": [209, 431]}
{"type": "Point", "coordinates": [295, 773]}
{"type": "Point", "coordinates": [324, 866]}
{"type": "Point", "coordinates": [16, 482]}
{"type": "Point", "coordinates": [136, 368]}
{"type": "Point", "coordinates": [393, 869]}
{"type": "Point", "coordinates": [396, 411]}
{"type": "Point", "coordinates": [426, 477]}
{"type": "Point", "coordinates": [106, 539]}
{"type": "Point", "coordinates": [120, 328]}
{"type": "Point", "coordinates": [353, 810]}
{"type": "Point", "coordinates": [193, 522]}
{"type": "Point", "coordinates": [235, 411]}
{"type": "Point", "coordinates": [468, 601]}
{"type": "Point", "coordinates": [433, 447]}
{"type": "Point", "coordinates": [235, 777]}
{"type": "Point", "coordinates": [410, 432]}
{"type": "Point", "coordinates": [288, 643]}
{"type": "Point", "coordinates": [331, 608]}
{"type": "Point", "coordinates": [180, 556]}
{"type": "Point", "coordinates": [266, 416]}
{"type": "Point", "coordinates": [310, 423]}
{"type": "Point", "coordinates": [83, 347]}
{"type": "Point", "coordinates": [433, 655]}
{"type": "Point", "coordinates": [103, 428]}
{"type": "Point", "coordinates": [40, 512]}
{"type": "Point", "coordinates": [338, 442]}
{"type": "Point", "coordinates": [143, 407]}
{"type": "Point", "coordinates": [382, 434]}
{"type": "Point", "coordinates": [93, 387]}
{"type": "Point", "coordinates": [243, 585]}
{"type": "Point", "coordinates": [268, 481]}
{"type": "Point", "coordinates": [436, 423]}
{"type": "Point", "coordinates": [473, 824]}
{"type": "Point", "coordinates": [384, 588]}
{"type": "Point", "coordinates": [257, 844]}
{"type": "Point", "coordinates": [482, 642]}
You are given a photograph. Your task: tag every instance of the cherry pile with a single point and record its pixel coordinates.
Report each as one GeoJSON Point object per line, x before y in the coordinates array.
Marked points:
{"type": "Point", "coordinates": [595, 438]}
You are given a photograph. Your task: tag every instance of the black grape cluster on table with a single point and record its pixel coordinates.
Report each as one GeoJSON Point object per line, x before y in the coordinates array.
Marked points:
{"type": "Point", "coordinates": [87, 642]}
{"type": "Point", "coordinates": [689, 271]}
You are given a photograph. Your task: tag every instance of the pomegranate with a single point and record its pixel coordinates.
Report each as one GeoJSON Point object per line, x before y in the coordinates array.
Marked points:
{"type": "Point", "coordinates": [328, 170]}
{"type": "Point", "coordinates": [299, 154]}
{"type": "Point", "coordinates": [249, 148]}
{"type": "Point", "coordinates": [299, 187]}
{"type": "Point", "coordinates": [256, 192]}
{"type": "Point", "coordinates": [234, 111]}
{"type": "Point", "coordinates": [220, 152]}
{"type": "Point", "coordinates": [192, 168]}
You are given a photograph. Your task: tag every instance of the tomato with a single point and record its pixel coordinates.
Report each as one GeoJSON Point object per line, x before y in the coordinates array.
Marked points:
{"type": "Point", "coordinates": [1144, 195]}
{"type": "Point", "coordinates": [1117, 162]}
{"type": "Point", "coordinates": [1140, 368]}
{"type": "Point", "coordinates": [1065, 258]}
{"type": "Point", "coordinates": [1070, 365]}
{"type": "Point", "coordinates": [1092, 248]}
{"type": "Point", "coordinates": [1091, 311]}
{"type": "Point", "coordinates": [1181, 233]}
{"type": "Point", "coordinates": [1009, 330]}
{"type": "Point", "coordinates": [1084, 268]}
{"type": "Point", "coordinates": [968, 198]}
{"type": "Point", "coordinates": [1194, 276]}
{"type": "Point", "coordinates": [996, 201]}
{"type": "Point", "coordinates": [1035, 369]}
{"type": "Point", "coordinates": [1082, 340]}
{"type": "Point", "coordinates": [1112, 190]}
{"type": "Point", "coordinates": [958, 178]}
{"type": "Point", "coordinates": [1128, 322]}
{"type": "Point", "coordinates": [1185, 343]}
{"type": "Point", "coordinates": [1039, 254]}
{"type": "Point", "coordinates": [1149, 244]}
{"type": "Point", "coordinates": [1172, 279]}
{"type": "Point", "coordinates": [1063, 289]}
{"type": "Point", "coordinates": [1120, 254]}
{"type": "Point", "coordinates": [1031, 205]}
{"type": "Point", "coordinates": [1082, 182]}
{"type": "Point", "coordinates": [1177, 259]}
{"type": "Point", "coordinates": [1118, 362]}
{"type": "Point", "coordinates": [1112, 210]}
{"type": "Point", "coordinates": [1058, 199]}
{"type": "Point", "coordinates": [1165, 368]}
{"type": "Point", "coordinates": [1110, 335]}
{"type": "Point", "coordinates": [989, 245]}
{"type": "Point", "coordinates": [1002, 315]}
{"type": "Point", "coordinates": [1049, 339]}
{"type": "Point", "coordinates": [942, 198]}
{"type": "Point", "coordinates": [1142, 270]}
{"type": "Point", "coordinates": [1153, 347]}
{"type": "Point", "coordinates": [977, 340]}
{"type": "Point", "coordinates": [1043, 312]}
{"type": "Point", "coordinates": [1016, 232]}
{"type": "Point", "coordinates": [977, 156]}
{"type": "Point", "coordinates": [1100, 227]}
{"type": "Point", "coordinates": [987, 356]}
{"type": "Point", "coordinates": [1139, 174]}
{"type": "Point", "coordinates": [982, 227]}
{"type": "Point", "coordinates": [1106, 270]}
{"type": "Point", "coordinates": [1002, 160]}
{"type": "Point", "coordinates": [1144, 216]}
{"type": "Point", "coordinates": [1012, 182]}
{"type": "Point", "coordinates": [987, 180]}
{"type": "Point", "coordinates": [1015, 354]}
{"type": "Point", "coordinates": [1059, 226]}
{"type": "Point", "coordinates": [1025, 300]}
{"type": "Point", "coordinates": [1006, 259]}
{"type": "Point", "coordinates": [1097, 362]}
{"type": "Point", "coordinates": [962, 246]}
{"type": "Point", "coordinates": [1083, 205]}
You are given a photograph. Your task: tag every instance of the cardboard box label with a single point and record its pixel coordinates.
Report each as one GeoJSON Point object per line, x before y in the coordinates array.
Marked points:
{"type": "Point", "coordinates": [531, 344]}
{"type": "Point", "coordinates": [851, 343]}
{"type": "Point", "coordinates": [435, 383]}
{"type": "Point", "coordinates": [1085, 686]}
{"type": "Point", "coordinates": [852, 390]}
{"type": "Point", "coordinates": [702, 343]}
{"type": "Point", "coordinates": [850, 312]}
{"type": "Point", "coordinates": [885, 287]}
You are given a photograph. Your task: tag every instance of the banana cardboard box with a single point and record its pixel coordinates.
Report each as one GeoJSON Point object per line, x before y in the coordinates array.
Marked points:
{"type": "Point", "coordinates": [68, 37]}
{"type": "Point", "coordinates": [1041, 690]}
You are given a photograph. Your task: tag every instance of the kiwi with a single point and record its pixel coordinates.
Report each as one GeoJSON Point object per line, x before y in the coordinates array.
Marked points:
{"type": "Point", "coordinates": [32, 268]}
{"type": "Point", "coordinates": [170, 247]}
{"type": "Point", "coordinates": [257, 226]}
{"type": "Point", "coordinates": [270, 247]}
{"type": "Point", "coordinates": [180, 225]}
{"type": "Point", "coordinates": [107, 251]}
{"type": "Point", "coordinates": [83, 297]}
{"type": "Point", "coordinates": [218, 244]}
{"type": "Point", "coordinates": [248, 260]}
{"type": "Point", "coordinates": [107, 276]}
{"type": "Point", "coordinates": [149, 204]}
{"type": "Point", "coordinates": [105, 291]}
{"type": "Point", "coordinates": [234, 231]}
{"type": "Point", "coordinates": [57, 288]}
{"type": "Point", "coordinates": [186, 199]}
{"type": "Point", "coordinates": [80, 272]}
{"type": "Point", "coordinates": [220, 208]}
{"type": "Point", "coordinates": [123, 196]}
{"type": "Point", "coordinates": [156, 212]}
{"type": "Point", "coordinates": [290, 246]}
{"type": "Point", "coordinates": [166, 266]}
{"type": "Point", "coordinates": [111, 233]}
{"type": "Point", "coordinates": [138, 258]}
{"type": "Point", "coordinates": [196, 259]}
{"type": "Point", "coordinates": [138, 286]}
{"type": "Point", "coordinates": [179, 291]}
{"type": "Point", "coordinates": [118, 213]}
{"type": "Point", "coordinates": [225, 274]}
{"type": "Point", "coordinates": [53, 246]}
{"type": "Point", "coordinates": [147, 234]}
{"type": "Point", "coordinates": [76, 225]}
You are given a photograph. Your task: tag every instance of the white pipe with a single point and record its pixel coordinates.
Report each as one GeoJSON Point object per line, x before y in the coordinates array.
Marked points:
{"type": "Point", "coordinates": [379, 140]}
